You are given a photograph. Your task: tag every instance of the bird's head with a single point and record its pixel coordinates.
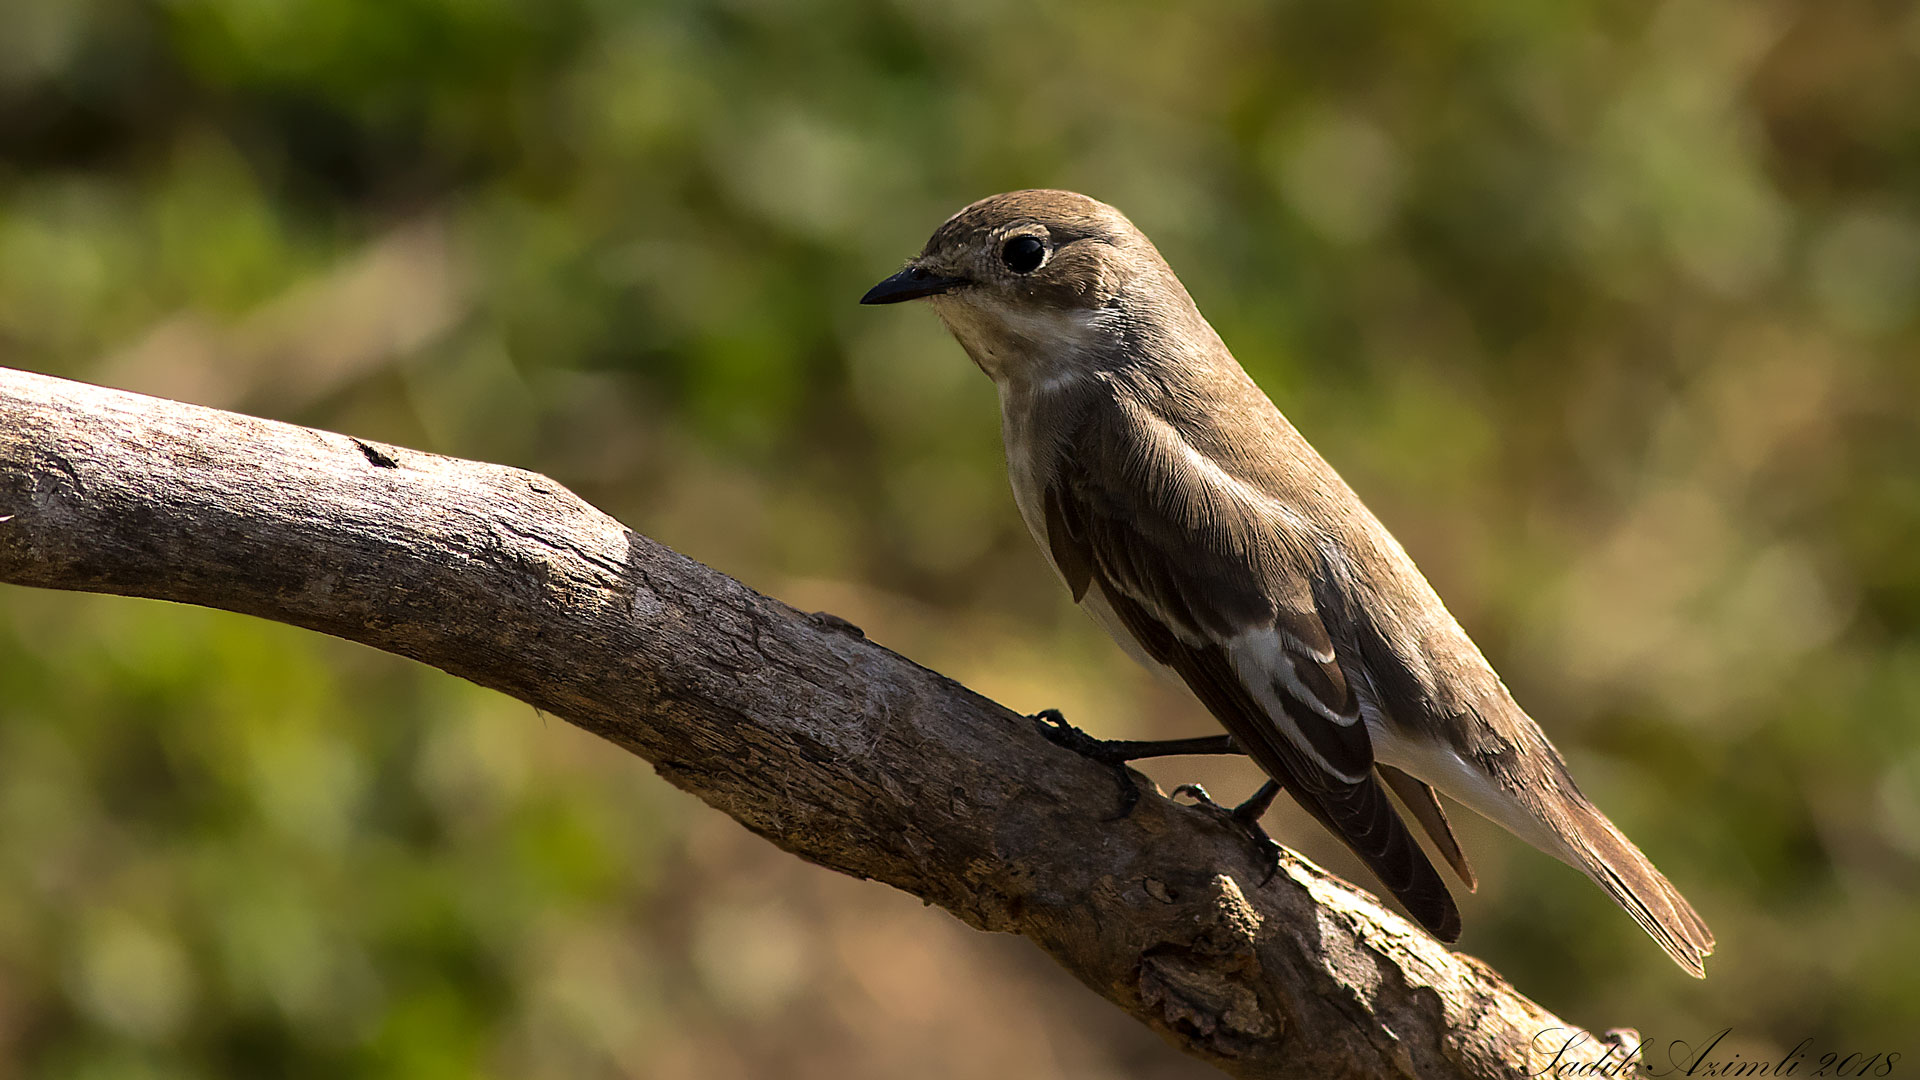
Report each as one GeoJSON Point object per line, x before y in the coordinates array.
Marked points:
{"type": "Point", "coordinates": [1036, 283]}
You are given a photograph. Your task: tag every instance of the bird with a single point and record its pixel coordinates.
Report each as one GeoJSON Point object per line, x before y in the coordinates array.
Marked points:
{"type": "Point", "coordinates": [1205, 535]}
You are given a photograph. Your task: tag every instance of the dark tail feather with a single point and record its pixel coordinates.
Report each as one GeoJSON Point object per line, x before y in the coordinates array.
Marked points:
{"type": "Point", "coordinates": [1363, 817]}
{"type": "Point", "coordinates": [1424, 805]}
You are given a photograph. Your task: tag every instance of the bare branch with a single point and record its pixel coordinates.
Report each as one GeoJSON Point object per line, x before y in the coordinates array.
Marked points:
{"type": "Point", "coordinates": [817, 739]}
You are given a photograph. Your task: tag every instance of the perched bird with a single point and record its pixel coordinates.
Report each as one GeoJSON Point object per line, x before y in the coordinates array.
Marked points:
{"type": "Point", "coordinates": [1198, 528]}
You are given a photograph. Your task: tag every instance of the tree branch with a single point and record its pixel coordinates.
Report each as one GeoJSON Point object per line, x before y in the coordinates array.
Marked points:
{"type": "Point", "coordinates": [817, 739]}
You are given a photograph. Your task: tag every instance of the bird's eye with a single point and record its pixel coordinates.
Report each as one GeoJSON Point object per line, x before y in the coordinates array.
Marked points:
{"type": "Point", "coordinates": [1023, 254]}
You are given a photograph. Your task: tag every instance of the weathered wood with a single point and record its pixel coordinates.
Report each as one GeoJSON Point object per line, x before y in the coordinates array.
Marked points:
{"type": "Point", "coordinates": [817, 739]}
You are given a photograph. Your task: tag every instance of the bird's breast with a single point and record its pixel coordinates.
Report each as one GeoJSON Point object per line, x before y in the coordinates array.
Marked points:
{"type": "Point", "coordinates": [1025, 464]}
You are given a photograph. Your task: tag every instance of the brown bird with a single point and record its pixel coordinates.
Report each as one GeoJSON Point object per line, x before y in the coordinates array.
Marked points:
{"type": "Point", "coordinates": [1197, 527]}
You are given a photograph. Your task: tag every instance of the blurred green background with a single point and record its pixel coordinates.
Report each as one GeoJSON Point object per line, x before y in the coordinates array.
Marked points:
{"type": "Point", "coordinates": [1609, 310]}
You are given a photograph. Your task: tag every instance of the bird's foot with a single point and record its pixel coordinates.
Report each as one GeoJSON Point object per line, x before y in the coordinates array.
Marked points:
{"type": "Point", "coordinates": [1115, 751]}
{"type": "Point", "coordinates": [1246, 818]}
{"type": "Point", "coordinates": [1053, 725]}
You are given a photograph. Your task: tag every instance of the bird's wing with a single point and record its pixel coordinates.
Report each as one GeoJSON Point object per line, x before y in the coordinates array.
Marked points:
{"type": "Point", "coordinates": [1199, 570]}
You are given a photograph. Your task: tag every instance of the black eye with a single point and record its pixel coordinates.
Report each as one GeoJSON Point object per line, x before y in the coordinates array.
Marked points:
{"type": "Point", "coordinates": [1023, 254]}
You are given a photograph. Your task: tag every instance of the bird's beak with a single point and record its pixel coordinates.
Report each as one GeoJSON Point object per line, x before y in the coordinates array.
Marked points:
{"type": "Point", "coordinates": [911, 284]}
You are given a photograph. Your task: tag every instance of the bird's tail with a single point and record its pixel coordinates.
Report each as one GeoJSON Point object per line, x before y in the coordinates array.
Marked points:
{"type": "Point", "coordinates": [1614, 864]}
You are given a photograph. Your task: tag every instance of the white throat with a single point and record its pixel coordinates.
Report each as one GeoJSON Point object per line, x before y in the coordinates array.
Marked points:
{"type": "Point", "coordinates": [1026, 345]}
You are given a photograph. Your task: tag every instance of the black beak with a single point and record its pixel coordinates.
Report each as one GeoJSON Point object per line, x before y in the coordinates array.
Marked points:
{"type": "Point", "coordinates": [910, 284]}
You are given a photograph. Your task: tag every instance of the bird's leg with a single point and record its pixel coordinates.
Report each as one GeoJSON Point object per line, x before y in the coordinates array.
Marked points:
{"type": "Point", "coordinates": [1135, 749]}
{"type": "Point", "coordinates": [1247, 816]}
{"type": "Point", "coordinates": [1054, 726]}
{"type": "Point", "coordinates": [1250, 812]}
{"type": "Point", "coordinates": [1115, 753]}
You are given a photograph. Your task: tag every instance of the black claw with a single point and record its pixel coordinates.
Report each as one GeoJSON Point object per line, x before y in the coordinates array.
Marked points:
{"type": "Point", "coordinates": [1246, 818]}
{"type": "Point", "coordinates": [1117, 752]}
{"type": "Point", "coordinates": [1248, 814]}
{"type": "Point", "coordinates": [1114, 751]}
{"type": "Point", "coordinates": [1053, 725]}
{"type": "Point", "coordinates": [1200, 796]}
{"type": "Point", "coordinates": [1057, 731]}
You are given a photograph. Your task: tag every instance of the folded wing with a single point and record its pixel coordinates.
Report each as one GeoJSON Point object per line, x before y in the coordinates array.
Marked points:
{"type": "Point", "coordinates": [1198, 569]}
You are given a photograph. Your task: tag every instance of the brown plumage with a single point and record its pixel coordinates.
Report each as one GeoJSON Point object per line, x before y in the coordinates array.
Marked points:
{"type": "Point", "coordinates": [1212, 542]}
